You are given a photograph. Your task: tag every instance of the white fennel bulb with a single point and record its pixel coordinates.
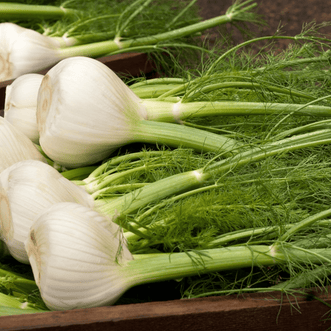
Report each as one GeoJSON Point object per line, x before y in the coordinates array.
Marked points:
{"type": "Point", "coordinates": [76, 262]}
{"type": "Point", "coordinates": [15, 146]}
{"type": "Point", "coordinates": [21, 104]}
{"type": "Point", "coordinates": [23, 51]}
{"type": "Point", "coordinates": [27, 188]}
{"type": "Point", "coordinates": [82, 107]}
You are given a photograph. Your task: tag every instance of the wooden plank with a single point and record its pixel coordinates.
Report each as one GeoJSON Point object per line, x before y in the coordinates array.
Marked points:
{"type": "Point", "coordinates": [258, 312]}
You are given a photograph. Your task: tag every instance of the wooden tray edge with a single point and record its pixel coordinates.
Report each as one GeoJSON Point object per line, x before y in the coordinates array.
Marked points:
{"type": "Point", "coordinates": [268, 311]}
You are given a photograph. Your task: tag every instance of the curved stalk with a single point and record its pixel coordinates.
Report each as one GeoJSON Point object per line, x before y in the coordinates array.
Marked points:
{"type": "Point", "coordinates": [177, 111]}
{"type": "Point", "coordinates": [10, 11]}
{"type": "Point", "coordinates": [250, 86]}
{"type": "Point", "coordinates": [182, 136]}
{"type": "Point", "coordinates": [305, 223]}
{"type": "Point", "coordinates": [178, 265]}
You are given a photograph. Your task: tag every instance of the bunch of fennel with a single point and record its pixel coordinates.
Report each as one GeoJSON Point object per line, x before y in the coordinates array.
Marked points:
{"type": "Point", "coordinates": [257, 246]}
{"type": "Point", "coordinates": [75, 131]}
{"type": "Point", "coordinates": [41, 51]}
{"type": "Point", "coordinates": [98, 269]}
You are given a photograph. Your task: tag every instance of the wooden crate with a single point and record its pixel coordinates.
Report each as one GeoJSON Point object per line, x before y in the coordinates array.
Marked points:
{"type": "Point", "coordinates": [258, 312]}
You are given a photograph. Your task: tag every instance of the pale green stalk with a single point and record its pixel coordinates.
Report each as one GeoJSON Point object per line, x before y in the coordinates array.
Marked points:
{"type": "Point", "coordinates": [304, 224]}
{"type": "Point", "coordinates": [190, 90]}
{"type": "Point", "coordinates": [306, 278]}
{"type": "Point", "coordinates": [65, 41]}
{"type": "Point", "coordinates": [10, 305]}
{"type": "Point", "coordinates": [152, 192]}
{"type": "Point", "coordinates": [177, 265]}
{"type": "Point", "coordinates": [162, 267]}
{"type": "Point", "coordinates": [152, 91]}
{"type": "Point", "coordinates": [170, 112]}
{"type": "Point", "coordinates": [105, 179]}
{"type": "Point", "coordinates": [158, 81]}
{"type": "Point", "coordinates": [129, 157]}
{"type": "Point", "coordinates": [117, 178]}
{"type": "Point", "coordinates": [251, 86]}
{"type": "Point", "coordinates": [162, 47]}
{"type": "Point", "coordinates": [112, 173]}
{"type": "Point", "coordinates": [268, 231]}
{"type": "Point", "coordinates": [78, 173]}
{"type": "Point", "coordinates": [177, 197]}
{"type": "Point", "coordinates": [113, 191]}
{"type": "Point", "coordinates": [295, 112]}
{"type": "Point", "coordinates": [224, 239]}
{"type": "Point", "coordinates": [324, 124]}
{"type": "Point", "coordinates": [12, 11]}
{"type": "Point", "coordinates": [172, 135]}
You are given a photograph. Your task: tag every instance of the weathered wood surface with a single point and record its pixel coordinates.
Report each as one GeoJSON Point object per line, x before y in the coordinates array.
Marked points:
{"type": "Point", "coordinates": [258, 312]}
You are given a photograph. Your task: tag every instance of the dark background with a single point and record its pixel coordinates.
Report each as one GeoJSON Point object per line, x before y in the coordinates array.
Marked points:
{"type": "Point", "coordinates": [291, 14]}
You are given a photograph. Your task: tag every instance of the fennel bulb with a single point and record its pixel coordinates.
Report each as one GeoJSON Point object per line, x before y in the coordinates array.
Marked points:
{"type": "Point", "coordinates": [21, 104]}
{"type": "Point", "coordinates": [27, 188]}
{"type": "Point", "coordinates": [75, 260]}
{"type": "Point", "coordinates": [23, 51]}
{"type": "Point", "coordinates": [85, 112]}
{"type": "Point", "coordinates": [15, 146]}
{"type": "Point", "coordinates": [82, 106]}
